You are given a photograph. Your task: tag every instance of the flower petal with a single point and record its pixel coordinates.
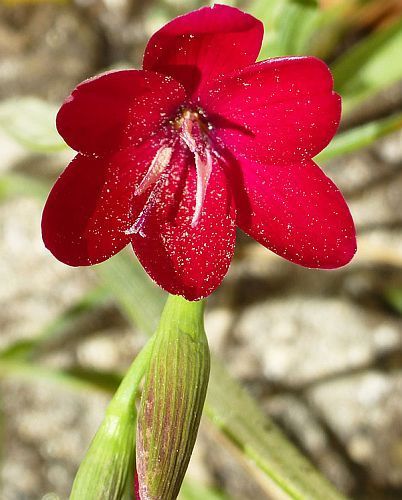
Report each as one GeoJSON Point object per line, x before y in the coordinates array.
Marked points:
{"type": "Point", "coordinates": [277, 110]}
{"type": "Point", "coordinates": [297, 212]}
{"type": "Point", "coordinates": [182, 259]}
{"type": "Point", "coordinates": [197, 46]}
{"type": "Point", "coordinates": [117, 109]}
{"type": "Point", "coordinates": [92, 205]}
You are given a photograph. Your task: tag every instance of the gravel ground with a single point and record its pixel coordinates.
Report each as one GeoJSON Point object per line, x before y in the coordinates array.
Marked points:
{"type": "Point", "coordinates": [322, 351]}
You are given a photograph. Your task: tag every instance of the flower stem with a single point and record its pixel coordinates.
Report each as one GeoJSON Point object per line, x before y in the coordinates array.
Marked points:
{"type": "Point", "coordinates": [124, 398]}
{"type": "Point", "coordinates": [179, 312]}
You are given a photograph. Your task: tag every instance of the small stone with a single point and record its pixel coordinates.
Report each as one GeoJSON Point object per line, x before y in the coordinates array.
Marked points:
{"type": "Point", "coordinates": [365, 411]}
{"type": "Point", "coordinates": [298, 340]}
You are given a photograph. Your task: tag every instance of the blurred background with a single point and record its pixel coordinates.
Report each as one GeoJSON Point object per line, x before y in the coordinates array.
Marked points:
{"type": "Point", "coordinates": [320, 351]}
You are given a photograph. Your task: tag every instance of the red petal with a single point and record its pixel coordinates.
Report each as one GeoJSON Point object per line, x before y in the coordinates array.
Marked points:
{"type": "Point", "coordinates": [117, 109]}
{"type": "Point", "coordinates": [276, 110]}
{"type": "Point", "coordinates": [92, 205]}
{"type": "Point", "coordinates": [297, 212]}
{"type": "Point", "coordinates": [186, 260]}
{"type": "Point", "coordinates": [200, 45]}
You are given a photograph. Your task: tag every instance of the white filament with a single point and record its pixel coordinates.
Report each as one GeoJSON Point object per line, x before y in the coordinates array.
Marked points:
{"type": "Point", "coordinates": [204, 169]}
{"type": "Point", "coordinates": [158, 165]}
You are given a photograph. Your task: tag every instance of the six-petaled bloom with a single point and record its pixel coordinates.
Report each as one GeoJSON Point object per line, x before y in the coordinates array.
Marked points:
{"type": "Point", "coordinates": [203, 139]}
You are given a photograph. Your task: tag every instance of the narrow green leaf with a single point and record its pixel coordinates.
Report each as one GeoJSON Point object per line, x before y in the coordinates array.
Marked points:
{"type": "Point", "coordinates": [370, 66]}
{"type": "Point", "coordinates": [289, 25]}
{"type": "Point", "coordinates": [18, 349]}
{"type": "Point", "coordinates": [105, 381]}
{"type": "Point", "coordinates": [172, 399]}
{"type": "Point", "coordinates": [31, 122]}
{"type": "Point", "coordinates": [233, 411]}
{"type": "Point", "coordinates": [29, 371]}
{"type": "Point", "coordinates": [360, 137]}
{"type": "Point", "coordinates": [21, 349]}
{"type": "Point", "coordinates": [139, 298]}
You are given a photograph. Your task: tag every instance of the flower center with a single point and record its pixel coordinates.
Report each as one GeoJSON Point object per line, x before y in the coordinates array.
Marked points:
{"type": "Point", "coordinates": [198, 115]}
{"type": "Point", "coordinates": [191, 127]}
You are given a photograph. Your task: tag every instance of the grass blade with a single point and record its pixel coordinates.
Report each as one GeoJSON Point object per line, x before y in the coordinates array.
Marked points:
{"type": "Point", "coordinates": [22, 349]}
{"type": "Point", "coordinates": [29, 371]}
{"type": "Point", "coordinates": [372, 65]}
{"type": "Point", "coordinates": [360, 137]}
{"type": "Point", "coordinates": [236, 414]}
{"type": "Point", "coordinates": [290, 26]}
{"type": "Point", "coordinates": [137, 296]}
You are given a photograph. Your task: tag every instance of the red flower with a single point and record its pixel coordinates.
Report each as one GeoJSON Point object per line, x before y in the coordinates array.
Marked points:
{"type": "Point", "coordinates": [173, 157]}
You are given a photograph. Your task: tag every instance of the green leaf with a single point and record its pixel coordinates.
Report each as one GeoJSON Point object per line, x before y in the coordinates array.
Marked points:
{"type": "Point", "coordinates": [360, 137]}
{"type": "Point", "coordinates": [31, 122]}
{"type": "Point", "coordinates": [103, 380]}
{"type": "Point", "coordinates": [138, 297]}
{"type": "Point", "coordinates": [21, 349]}
{"type": "Point", "coordinates": [233, 411]}
{"type": "Point", "coordinates": [289, 25]}
{"type": "Point", "coordinates": [370, 66]}
{"type": "Point", "coordinates": [29, 371]}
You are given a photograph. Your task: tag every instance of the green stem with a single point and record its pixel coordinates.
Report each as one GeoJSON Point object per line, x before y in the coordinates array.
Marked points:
{"type": "Point", "coordinates": [125, 395]}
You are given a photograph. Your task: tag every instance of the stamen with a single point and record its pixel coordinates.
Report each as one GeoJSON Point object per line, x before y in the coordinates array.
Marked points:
{"type": "Point", "coordinates": [156, 169]}
{"type": "Point", "coordinates": [187, 136]}
{"type": "Point", "coordinates": [158, 165]}
{"type": "Point", "coordinates": [138, 225]}
{"type": "Point", "coordinates": [204, 169]}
